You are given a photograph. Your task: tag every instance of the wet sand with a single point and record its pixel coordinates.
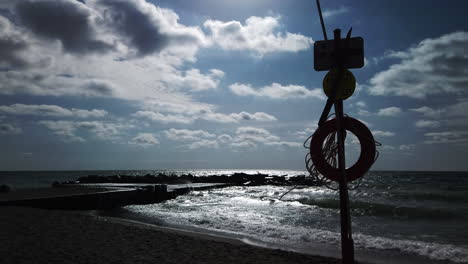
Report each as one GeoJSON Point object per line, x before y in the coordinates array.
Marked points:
{"type": "Point", "coordinates": [30, 235]}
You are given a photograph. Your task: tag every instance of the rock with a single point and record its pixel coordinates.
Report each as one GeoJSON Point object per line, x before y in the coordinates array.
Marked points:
{"type": "Point", "coordinates": [5, 188]}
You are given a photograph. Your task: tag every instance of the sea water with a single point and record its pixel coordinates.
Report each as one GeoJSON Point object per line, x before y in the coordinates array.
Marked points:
{"type": "Point", "coordinates": [407, 214]}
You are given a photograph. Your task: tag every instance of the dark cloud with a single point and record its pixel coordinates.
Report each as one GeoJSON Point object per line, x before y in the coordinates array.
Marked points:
{"type": "Point", "coordinates": [11, 46]}
{"type": "Point", "coordinates": [97, 88]}
{"type": "Point", "coordinates": [9, 52]}
{"type": "Point", "coordinates": [67, 21]}
{"type": "Point", "coordinates": [8, 129]}
{"type": "Point", "coordinates": [136, 26]}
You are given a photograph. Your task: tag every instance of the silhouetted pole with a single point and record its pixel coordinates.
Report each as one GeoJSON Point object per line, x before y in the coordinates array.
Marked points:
{"type": "Point", "coordinates": [347, 244]}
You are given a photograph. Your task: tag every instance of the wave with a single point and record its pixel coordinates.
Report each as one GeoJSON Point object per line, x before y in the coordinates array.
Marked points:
{"type": "Point", "coordinates": [449, 196]}
{"type": "Point", "coordinates": [360, 208]}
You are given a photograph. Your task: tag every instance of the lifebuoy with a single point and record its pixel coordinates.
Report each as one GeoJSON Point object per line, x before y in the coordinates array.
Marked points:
{"type": "Point", "coordinates": [366, 158]}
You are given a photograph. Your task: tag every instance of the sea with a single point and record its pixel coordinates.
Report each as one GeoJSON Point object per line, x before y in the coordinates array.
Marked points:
{"type": "Point", "coordinates": [397, 216]}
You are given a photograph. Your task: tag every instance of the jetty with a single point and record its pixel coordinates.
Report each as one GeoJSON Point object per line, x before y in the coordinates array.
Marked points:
{"type": "Point", "coordinates": [99, 196]}
{"type": "Point", "coordinates": [95, 192]}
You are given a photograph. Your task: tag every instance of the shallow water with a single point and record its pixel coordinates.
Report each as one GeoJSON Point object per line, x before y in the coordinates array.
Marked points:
{"type": "Point", "coordinates": [419, 214]}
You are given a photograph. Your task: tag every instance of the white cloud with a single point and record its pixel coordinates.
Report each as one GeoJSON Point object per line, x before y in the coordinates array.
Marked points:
{"type": "Point", "coordinates": [145, 140]}
{"type": "Point", "coordinates": [455, 115]}
{"type": "Point", "coordinates": [390, 111]}
{"type": "Point", "coordinates": [361, 104]}
{"type": "Point", "coordinates": [224, 138]}
{"type": "Point", "coordinates": [276, 91]}
{"type": "Point", "coordinates": [434, 66]}
{"type": "Point", "coordinates": [309, 130]}
{"type": "Point", "coordinates": [380, 133]}
{"type": "Point", "coordinates": [9, 129]}
{"type": "Point", "coordinates": [363, 112]}
{"type": "Point", "coordinates": [258, 34]}
{"type": "Point", "coordinates": [427, 124]}
{"type": "Point", "coordinates": [244, 138]}
{"type": "Point", "coordinates": [207, 114]}
{"type": "Point", "coordinates": [284, 144]}
{"type": "Point", "coordinates": [255, 135]}
{"type": "Point", "coordinates": [204, 143]}
{"type": "Point", "coordinates": [187, 135]}
{"type": "Point", "coordinates": [447, 137]}
{"type": "Point", "coordinates": [163, 118]}
{"type": "Point", "coordinates": [247, 145]}
{"type": "Point", "coordinates": [407, 147]}
{"type": "Point", "coordinates": [328, 13]}
{"type": "Point", "coordinates": [250, 137]}
{"type": "Point", "coordinates": [68, 130]}
{"type": "Point", "coordinates": [388, 147]}
{"type": "Point", "coordinates": [459, 109]}
{"type": "Point", "coordinates": [196, 81]}
{"type": "Point", "coordinates": [51, 110]}
{"type": "Point", "coordinates": [258, 116]}
{"type": "Point", "coordinates": [196, 138]}
{"type": "Point", "coordinates": [427, 111]}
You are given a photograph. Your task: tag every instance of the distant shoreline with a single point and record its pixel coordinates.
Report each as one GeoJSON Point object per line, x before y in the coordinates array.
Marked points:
{"type": "Point", "coordinates": [78, 170]}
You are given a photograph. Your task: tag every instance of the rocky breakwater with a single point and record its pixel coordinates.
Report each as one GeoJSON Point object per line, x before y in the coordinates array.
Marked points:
{"type": "Point", "coordinates": [236, 179]}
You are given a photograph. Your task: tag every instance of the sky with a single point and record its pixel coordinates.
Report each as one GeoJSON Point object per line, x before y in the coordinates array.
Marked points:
{"type": "Point", "coordinates": [143, 84]}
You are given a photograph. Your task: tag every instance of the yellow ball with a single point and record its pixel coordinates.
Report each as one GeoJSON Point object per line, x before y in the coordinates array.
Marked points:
{"type": "Point", "coordinates": [346, 86]}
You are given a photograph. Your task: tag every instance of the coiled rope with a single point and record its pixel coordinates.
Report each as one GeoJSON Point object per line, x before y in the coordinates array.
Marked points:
{"type": "Point", "coordinates": [329, 153]}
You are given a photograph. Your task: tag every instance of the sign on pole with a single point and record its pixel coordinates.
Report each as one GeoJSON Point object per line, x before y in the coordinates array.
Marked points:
{"type": "Point", "coordinates": [325, 54]}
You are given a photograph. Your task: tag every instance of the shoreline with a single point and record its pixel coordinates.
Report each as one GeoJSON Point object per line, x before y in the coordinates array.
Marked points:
{"type": "Point", "coordinates": [317, 249]}
{"type": "Point", "coordinates": [73, 237]}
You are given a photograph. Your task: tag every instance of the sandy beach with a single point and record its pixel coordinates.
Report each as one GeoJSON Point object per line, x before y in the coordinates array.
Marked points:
{"type": "Point", "coordinates": [30, 235]}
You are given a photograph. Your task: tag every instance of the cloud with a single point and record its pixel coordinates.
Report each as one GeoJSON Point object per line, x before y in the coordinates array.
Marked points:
{"type": "Point", "coordinates": [145, 140]}
{"type": "Point", "coordinates": [204, 143]}
{"type": "Point", "coordinates": [206, 114]}
{"type": "Point", "coordinates": [390, 111]}
{"type": "Point", "coordinates": [196, 138]}
{"type": "Point", "coordinates": [164, 118]}
{"type": "Point", "coordinates": [361, 104]}
{"type": "Point", "coordinates": [12, 44]}
{"type": "Point", "coordinates": [434, 66]}
{"type": "Point", "coordinates": [258, 116]}
{"type": "Point", "coordinates": [245, 138]}
{"type": "Point", "coordinates": [146, 28]}
{"type": "Point", "coordinates": [328, 13]}
{"type": "Point", "coordinates": [196, 81]}
{"type": "Point", "coordinates": [284, 144]}
{"type": "Point", "coordinates": [68, 21]}
{"type": "Point", "coordinates": [303, 134]}
{"type": "Point", "coordinates": [459, 109]}
{"type": "Point", "coordinates": [451, 115]}
{"type": "Point", "coordinates": [67, 130]}
{"type": "Point", "coordinates": [187, 135]}
{"type": "Point", "coordinates": [407, 147]}
{"type": "Point", "coordinates": [276, 91]}
{"type": "Point", "coordinates": [249, 137]}
{"type": "Point", "coordinates": [224, 138]}
{"type": "Point", "coordinates": [447, 137]}
{"type": "Point", "coordinates": [258, 34]}
{"type": "Point", "coordinates": [51, 110]}
{"type": "Point", "coordinates": [9, 129]}
{"type": "Point", "coordinates": [255, 135]}
{"type": "Point", "coordinates": [427, 124]}
{"type": "Point", "coordinates": [380, 133]}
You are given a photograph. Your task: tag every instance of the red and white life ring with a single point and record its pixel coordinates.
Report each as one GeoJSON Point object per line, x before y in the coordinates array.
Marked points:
{"type": "Point", "coordinates": [366, 158]}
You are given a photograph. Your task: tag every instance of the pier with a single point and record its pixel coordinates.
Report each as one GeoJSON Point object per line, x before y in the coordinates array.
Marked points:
{"type": "Point", "coordinates": [95, 196]}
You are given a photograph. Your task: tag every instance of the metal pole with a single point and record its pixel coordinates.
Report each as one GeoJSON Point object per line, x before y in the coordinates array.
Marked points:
{"type": "Point", "coordinates": [347, 244]}
{"type": "Point", "coordinates": [321, 20]}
